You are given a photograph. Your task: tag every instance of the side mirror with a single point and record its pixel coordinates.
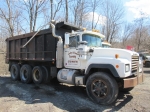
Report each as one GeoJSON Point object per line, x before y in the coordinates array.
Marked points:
{"type": "Point", "coordinates": [66, 39]}
{"type": "Point", "coordinates": [144, 57]}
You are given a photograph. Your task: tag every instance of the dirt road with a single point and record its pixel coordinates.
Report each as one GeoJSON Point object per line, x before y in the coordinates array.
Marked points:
{"type": "Point", "coordinates": [18, 97]}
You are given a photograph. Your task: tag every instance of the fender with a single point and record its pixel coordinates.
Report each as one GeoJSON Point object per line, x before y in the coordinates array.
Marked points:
{"type": "Point", "coordinates": [106, 66]}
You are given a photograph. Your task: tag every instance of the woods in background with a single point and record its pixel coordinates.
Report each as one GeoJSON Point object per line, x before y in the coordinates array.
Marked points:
{"type": "Point", "coordinates": [24, 16]}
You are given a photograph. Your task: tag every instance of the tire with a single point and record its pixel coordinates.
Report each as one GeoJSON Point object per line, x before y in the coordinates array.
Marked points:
{"type": "Point", "coordinates": [126, 89]}
{"type": "Point", "coordinates": [38, 74]}
{"type": "Point", "coordinates": [46, 76]}
{"type": "Point", "coordinates": [102, 88]}
{"type": "Point", "coordinates": [26, 74]}
{"type": "Point", "coordinates": [147, 64]}
{"type": "Point", "coordinates": [15, 72]}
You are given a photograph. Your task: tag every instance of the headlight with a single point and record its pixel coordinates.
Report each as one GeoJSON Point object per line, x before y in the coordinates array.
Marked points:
{"type": "Point", "coordinates": [127, 68]}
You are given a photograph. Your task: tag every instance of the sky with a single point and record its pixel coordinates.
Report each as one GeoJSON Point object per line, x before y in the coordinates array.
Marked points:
{"type": "Point", "coordinates": [136, 9]}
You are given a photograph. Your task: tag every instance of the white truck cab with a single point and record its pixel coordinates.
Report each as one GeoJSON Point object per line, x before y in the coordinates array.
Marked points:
{"type": "Point", "coordinates": [84, 49]}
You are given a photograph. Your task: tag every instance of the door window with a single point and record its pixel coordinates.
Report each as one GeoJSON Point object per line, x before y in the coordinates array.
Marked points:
{"type": "Point", "coordinates": [73, 41]}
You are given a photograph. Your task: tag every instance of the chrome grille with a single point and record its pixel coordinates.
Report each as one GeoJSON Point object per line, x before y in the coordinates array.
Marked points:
{"type": "Point", "coordinates": [135, 62]}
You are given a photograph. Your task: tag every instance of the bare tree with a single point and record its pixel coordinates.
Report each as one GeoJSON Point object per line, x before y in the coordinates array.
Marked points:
{"type": "Point", "coordinates": [57, 8]}
{"type": "Point", "coordinates": [74, 8]}
{"type": "Point", "coordinates": [140, 33]}
{"type": "Point", "coordinates": [79, 9]}
{"type": "Point", "coordinates": [33, 9]}
{"type": "Point", "coordinates": [94, 5]}
{"type": "Point", "coordinates": [51, 3]}
{"type": "Point", "coordinates": [114, 13]}
{"type": "Point", "coordinates": [66, 10]}
{"type": "Point", "coordinates": [10, 17]}
{"type": "Point", "coordinates": [127, 33]}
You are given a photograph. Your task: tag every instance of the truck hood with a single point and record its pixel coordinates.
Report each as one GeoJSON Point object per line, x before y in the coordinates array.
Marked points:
{"type": "Point", "coordinates": [111, 52]}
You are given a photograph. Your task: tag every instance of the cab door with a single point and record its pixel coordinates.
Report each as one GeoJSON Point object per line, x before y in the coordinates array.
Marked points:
{"type": "Point", "coordinates": [71, 57]}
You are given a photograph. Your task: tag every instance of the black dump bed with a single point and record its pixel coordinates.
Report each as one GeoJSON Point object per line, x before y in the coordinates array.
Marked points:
{"type": "Point", "coordinates": [41, 48]}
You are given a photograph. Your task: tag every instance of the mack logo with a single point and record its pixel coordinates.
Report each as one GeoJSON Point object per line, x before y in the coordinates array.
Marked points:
{"type": "Point", "coordinates": [135, 55]}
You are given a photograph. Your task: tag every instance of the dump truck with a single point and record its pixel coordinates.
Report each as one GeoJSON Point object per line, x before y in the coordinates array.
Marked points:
{"type": "Point", "coordinates": [74, 56]}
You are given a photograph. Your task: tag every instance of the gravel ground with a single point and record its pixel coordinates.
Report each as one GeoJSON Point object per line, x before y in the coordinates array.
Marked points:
{"type": "Point", "coordinates": [18, 97]}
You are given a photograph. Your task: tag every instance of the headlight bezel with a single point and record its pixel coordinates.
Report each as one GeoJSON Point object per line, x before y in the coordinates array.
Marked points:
{"type": "Point", "coordinates": [127, 67]}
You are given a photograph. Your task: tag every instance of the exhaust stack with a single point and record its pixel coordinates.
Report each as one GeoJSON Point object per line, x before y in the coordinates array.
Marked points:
{"type": "Point", "coordinates": [59, 53]}
{"type": "Point", "coordinates": [53, 32]}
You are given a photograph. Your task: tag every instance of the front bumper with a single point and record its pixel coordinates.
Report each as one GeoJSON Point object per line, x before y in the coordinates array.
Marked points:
{"type": "Point", "coordinates": [131, 82]}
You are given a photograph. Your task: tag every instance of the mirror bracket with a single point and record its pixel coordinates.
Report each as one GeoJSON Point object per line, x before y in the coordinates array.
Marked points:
{"type": "Point", "coordinates": [83, 42]}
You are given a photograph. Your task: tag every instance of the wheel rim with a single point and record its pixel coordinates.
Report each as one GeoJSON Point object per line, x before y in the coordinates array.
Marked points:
{"type": "Point", "coordinates": [99, 88]}
{"type": "Point", "coordinates": [24, 74]}
{"type": "Point", "coordinates": [36, 75]}
{"type": "Point", "coordinates": [14, 72]}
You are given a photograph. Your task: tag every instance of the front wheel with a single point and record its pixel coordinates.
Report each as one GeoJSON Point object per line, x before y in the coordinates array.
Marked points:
{"type": "Point", "coordinates": [102, 88]}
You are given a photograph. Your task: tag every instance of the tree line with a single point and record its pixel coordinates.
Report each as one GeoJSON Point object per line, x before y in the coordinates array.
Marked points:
{"type": "Point", "coordinates": [24, 16]}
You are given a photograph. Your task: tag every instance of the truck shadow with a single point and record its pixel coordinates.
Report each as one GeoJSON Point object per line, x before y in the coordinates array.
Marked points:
{"type": "Point", "coordinates": [66, 97]}
{"type": "Point", "coordinates": [122, 100]}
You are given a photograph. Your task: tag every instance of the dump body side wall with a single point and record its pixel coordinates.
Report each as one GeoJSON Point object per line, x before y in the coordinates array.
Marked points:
{"type": "Point", "coordinates": [41, 48]}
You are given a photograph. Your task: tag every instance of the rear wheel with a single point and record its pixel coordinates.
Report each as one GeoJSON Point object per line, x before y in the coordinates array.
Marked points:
{"type": "Point", "coordinates": [15, 72]}
{"type": "Point", "coordinates": [38, 74]}
{"type": "Point", "coordinates": [26, 74]}
{"type": "Point", "coordinates": [102, 88]}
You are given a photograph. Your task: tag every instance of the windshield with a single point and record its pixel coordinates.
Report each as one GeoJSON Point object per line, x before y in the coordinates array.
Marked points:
{"type": "Point", "coordinates": [105, 46]}
{"type": "Point", "coordinates": [93, 40]}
